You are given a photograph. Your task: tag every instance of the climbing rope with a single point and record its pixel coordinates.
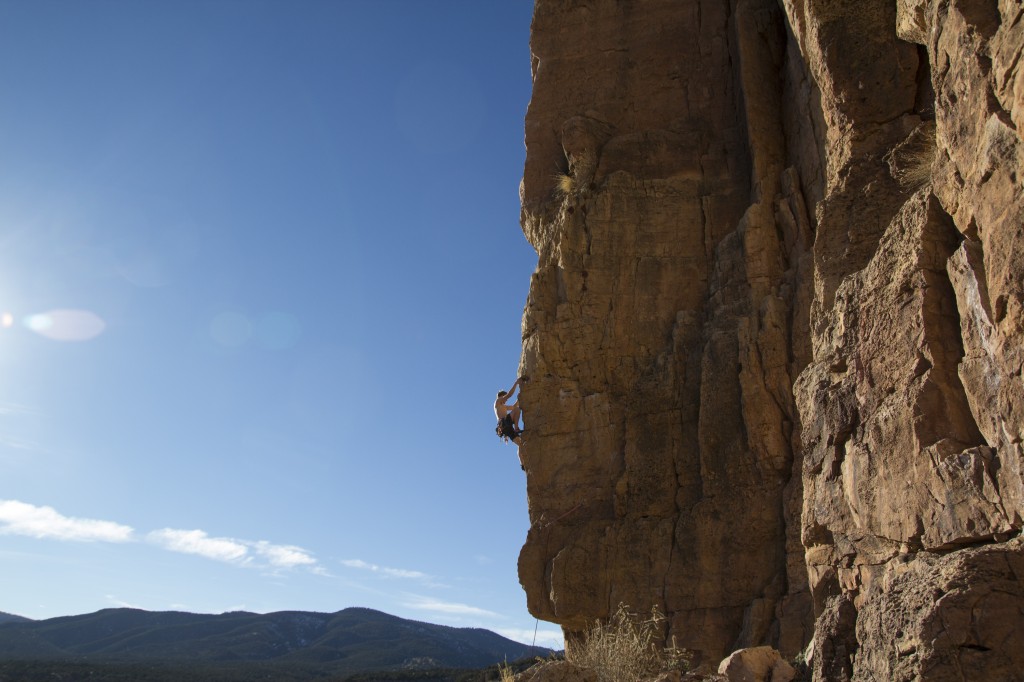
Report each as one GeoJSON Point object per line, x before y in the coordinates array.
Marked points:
{"type": "Point", "coordinates": [541, 524]}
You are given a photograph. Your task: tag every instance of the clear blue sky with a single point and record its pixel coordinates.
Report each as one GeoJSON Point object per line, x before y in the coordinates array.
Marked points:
{"type": "Point", "coordinates": [261, 275]}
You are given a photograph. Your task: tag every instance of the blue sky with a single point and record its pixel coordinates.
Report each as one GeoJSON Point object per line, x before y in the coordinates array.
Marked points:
{"type": "Point", "coordinates": [261, 274]}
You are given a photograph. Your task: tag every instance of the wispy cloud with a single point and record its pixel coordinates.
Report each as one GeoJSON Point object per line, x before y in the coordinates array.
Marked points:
{"type": "Point", "coordinates": [283, 556]}
{"type": "Point", "coordinates": [384, 570]}
{"type": "Point", "coordinates": [121, 603]}
{"type": "Point", "coordinates": [21, 518]}
{"type": "Point", "coordinates": [199, 543]}
{"type": "Point", "coordinates": [448, 608]}
{"type": "Point", "coordinates": [13, 443]}
{"type": "Point", "coordinates": [15, 408]}
{"type": "Point", "coordinates": [13, 416]}
{"type": "Point", "coordinates": [552, 639]}
{"type": "Point", "coordinates": [231, 550]}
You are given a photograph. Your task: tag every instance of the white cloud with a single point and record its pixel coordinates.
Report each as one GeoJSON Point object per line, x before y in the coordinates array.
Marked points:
{"type": "Point", "coordinates": [402, 573]}
{"type": "Point", "coordinates": [21, 518]}
{"type": "Point", "coordinates": [552, 639]}
{"type": "Point", "coordinates": [383, 570]}
{"type": "Point", "coordinates": [199, 543]}
{"type": "Point", "coordinates": [356, 563]}
{"type": "Point", "coordinates": [231, 550]}
{"type": "Point", "coordinates": [450, 608]}
{"type": "Point", "coordinates": [283, 556]}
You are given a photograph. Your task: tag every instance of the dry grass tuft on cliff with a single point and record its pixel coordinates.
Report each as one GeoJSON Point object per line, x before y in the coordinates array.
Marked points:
{"type": "Point", "coordinates": [564, 184]}
{"type": "Point", "coordinates": [910, 163]}
{"type": "Point", "coordinates": [627, 648]}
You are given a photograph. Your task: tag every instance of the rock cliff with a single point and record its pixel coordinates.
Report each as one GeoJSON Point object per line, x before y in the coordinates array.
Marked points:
{"type": "Point", "coordinates": [775, 330]}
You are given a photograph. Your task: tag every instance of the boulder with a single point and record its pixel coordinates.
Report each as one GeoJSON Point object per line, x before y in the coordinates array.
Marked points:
{"type": "Point", "coordinates": [756, 664]}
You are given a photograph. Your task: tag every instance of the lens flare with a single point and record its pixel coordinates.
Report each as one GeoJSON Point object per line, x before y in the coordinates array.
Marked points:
{"type": "Point", "coordinates": [277, 331]}
{"type": "Point", "coordinates": [231, 329]}
{"type": "Point", "coordinates": [7, 320]}
{"type": "Point", "coordinates": [66, 325]}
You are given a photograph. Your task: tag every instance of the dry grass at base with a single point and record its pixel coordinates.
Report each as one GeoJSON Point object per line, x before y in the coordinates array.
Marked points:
{"type": "Point", "coordinates": [507, 673]}
{"type": "Point", "coordinates": [627, 648]}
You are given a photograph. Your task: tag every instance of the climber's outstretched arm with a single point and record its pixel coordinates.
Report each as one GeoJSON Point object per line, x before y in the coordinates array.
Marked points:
{"type": "Point", "coordinates": [513, 389]}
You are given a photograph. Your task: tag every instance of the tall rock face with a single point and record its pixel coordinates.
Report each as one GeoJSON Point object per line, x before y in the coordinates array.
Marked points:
{"type": "Point", "coordinates": [775, 332]}
{"type": "Point", "coordinates": [658, 332]}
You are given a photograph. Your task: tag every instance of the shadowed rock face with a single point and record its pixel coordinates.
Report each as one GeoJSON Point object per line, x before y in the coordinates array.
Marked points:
{"type": "Point", "coordinates": [774, 334]}
{"type": "Point", "coordinates": [657, 332]}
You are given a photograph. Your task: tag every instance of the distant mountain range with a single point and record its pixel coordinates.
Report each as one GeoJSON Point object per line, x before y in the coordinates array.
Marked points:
{"type": "Point", "coordinates": [355, 640]}
{"type": "Point", "coordinates": [10, 617]}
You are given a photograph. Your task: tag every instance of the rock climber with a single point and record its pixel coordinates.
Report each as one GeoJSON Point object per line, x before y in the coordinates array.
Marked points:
{"type": "Point", "coordinates": [508, 415]}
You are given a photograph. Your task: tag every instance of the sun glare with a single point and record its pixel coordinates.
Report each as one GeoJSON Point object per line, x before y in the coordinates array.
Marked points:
{"type": "Point", "coordinates": [65, 325]}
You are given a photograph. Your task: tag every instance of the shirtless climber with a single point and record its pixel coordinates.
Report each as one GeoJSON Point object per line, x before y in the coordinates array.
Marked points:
{"type": "Point", "coordinates": [508, 415]}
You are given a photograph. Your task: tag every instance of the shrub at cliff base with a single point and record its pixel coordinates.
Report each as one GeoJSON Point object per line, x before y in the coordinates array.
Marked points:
{"type": "Point", "coordinates": [627, 648]}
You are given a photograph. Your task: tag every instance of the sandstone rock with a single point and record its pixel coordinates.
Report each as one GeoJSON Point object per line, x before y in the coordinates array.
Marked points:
{"type": "Point", "coordinates": [835, 643]}
{"type": "Point", "coordinates": [658, 326]}
{"type": "Point", "coordinates": [946, 617]}
{"type": "Point", "coordinates": [757, 664]}
{"type": "Point", "coordinates": [776, 330]}
{"type": "Point", "coordinates": [912, 20]}
{"type": "Point", "coordinates": [886, 380]}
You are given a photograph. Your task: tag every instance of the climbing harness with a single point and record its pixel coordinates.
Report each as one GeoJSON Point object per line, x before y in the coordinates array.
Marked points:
{"type": "Point", "coordinates": [506, 428]}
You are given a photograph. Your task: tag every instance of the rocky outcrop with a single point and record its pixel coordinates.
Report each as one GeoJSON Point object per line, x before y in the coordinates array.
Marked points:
{"type": "Point", "coordinates": [660, 419]}
{"type": "Point", "coordinates": [911, 406]}
{"type": "Point", "coordinates": [757, 664]}
{"type": "Point", "coordinates": [945, 617]}
{"type": "Point", "coordinates": [774, 334]}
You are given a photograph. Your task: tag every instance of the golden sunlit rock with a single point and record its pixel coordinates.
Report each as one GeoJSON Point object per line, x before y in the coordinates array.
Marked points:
{"type": "Point", "coordinates": [775, 331]}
